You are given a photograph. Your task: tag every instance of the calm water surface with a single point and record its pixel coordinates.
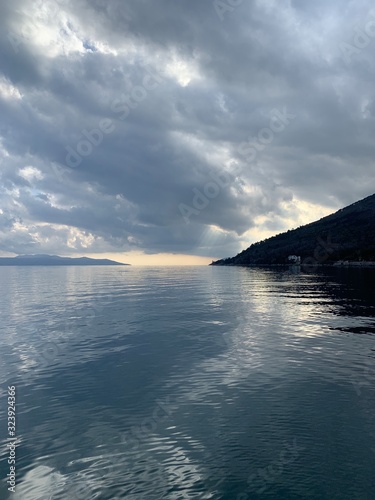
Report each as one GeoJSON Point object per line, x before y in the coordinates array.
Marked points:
{"type": "Point", "coordinates": [189, 383]}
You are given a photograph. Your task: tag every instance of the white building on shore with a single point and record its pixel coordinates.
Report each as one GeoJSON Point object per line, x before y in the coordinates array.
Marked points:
{"type": "Point", "coordinates": [294, 260]}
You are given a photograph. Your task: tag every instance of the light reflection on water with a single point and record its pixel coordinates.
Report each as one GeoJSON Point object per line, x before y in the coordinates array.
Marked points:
{"type": "Point", "coordinates": [225, 383]}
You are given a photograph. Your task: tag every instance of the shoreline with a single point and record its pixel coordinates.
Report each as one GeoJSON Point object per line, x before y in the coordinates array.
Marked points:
{"type": "Point", "coordinates": [338, 264]}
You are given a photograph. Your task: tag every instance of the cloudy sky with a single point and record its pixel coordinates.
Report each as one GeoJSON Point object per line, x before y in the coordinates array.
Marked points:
{"type": "Point", "coordinates": [176, 131]}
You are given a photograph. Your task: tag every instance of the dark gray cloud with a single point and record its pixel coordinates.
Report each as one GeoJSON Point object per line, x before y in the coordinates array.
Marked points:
{"type": "Point", "coordinates": [185, 127]}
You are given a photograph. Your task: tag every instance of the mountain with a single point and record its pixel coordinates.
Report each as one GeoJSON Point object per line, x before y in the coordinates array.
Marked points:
{"type": "Point", "coordinates": [346, 235]}
{"type": "Point", "coordinates": [55, 260]}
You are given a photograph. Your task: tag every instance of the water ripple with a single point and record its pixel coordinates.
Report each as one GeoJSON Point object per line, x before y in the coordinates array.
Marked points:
{"type": "Point", "coordinates": [190, 383]}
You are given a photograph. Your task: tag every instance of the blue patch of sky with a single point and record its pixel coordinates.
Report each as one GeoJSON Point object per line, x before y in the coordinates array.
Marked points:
{"type": "Point", "coordinates": [89, 46]}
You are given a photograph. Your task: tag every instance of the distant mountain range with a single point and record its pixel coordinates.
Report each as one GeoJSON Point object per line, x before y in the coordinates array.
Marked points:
{"type": "Point", "coordinates": [347, 236]}
{"type": "Point", "coordinates": [55, 260]}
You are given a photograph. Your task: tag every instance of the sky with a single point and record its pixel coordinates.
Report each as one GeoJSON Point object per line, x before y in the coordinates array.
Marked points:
{"type": "Point", "coordinates": [176, 132]}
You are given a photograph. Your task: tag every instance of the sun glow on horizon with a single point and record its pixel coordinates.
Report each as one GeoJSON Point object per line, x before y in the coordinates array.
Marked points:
{"type": "Point", "coordinates": [161, 259]}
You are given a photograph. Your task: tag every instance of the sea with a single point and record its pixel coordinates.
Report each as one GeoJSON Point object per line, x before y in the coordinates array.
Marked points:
{"type": "Point", "coordinates": [149, 383]}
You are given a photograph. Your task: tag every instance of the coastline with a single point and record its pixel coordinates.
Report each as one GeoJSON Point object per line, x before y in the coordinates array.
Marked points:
{"type": "Point", "coordinates": [347, 263]}
{"type": "Point", "coordinates": [340, 264]}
